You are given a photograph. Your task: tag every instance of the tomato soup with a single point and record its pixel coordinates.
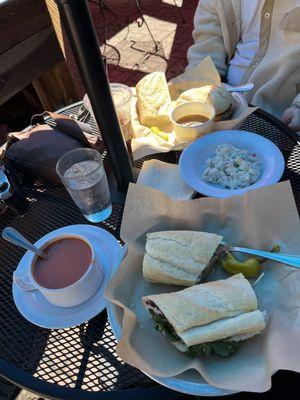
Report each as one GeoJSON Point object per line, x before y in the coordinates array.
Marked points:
{"type": "Point", "coordinates": [68, 260]}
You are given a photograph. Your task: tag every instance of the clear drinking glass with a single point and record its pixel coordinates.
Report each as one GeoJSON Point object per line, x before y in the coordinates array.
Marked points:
{"type": "Point", "coordinates": [83, 175]}
{"type": "Point", "coordinates": [122, 95]}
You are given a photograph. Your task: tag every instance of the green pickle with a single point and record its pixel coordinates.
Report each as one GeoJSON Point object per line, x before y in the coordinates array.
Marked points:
{"type": "Point", "coordinates": [250, 268]}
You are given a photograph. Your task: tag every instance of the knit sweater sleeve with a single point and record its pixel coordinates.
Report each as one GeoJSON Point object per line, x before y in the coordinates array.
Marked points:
{"type": "Point", "coordinates": [208, 39]}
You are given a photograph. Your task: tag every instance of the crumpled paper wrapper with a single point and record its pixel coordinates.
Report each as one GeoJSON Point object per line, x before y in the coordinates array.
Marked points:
{"type": "Point", "coordinates": [259, 219]}
{"type": "Point", "coordinates": [145, 142]}
{"type": "Point", "coordinates": [166, 178]}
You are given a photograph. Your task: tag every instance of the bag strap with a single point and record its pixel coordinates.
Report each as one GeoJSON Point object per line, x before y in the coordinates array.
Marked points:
{"type": "Point", "coordinates": [69, 126]}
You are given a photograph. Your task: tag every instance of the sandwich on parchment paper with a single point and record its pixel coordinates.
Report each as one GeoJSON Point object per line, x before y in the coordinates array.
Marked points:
{"type": "Point", "coordinates": [180, 257]}
{"type": "Point", "coordinates": [155, 104]}
{"type": "Point", "coordinates": [212, 317]}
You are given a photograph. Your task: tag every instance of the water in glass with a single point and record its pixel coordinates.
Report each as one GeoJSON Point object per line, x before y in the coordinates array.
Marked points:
{"type": "Point", "coordinates": [87, 185]}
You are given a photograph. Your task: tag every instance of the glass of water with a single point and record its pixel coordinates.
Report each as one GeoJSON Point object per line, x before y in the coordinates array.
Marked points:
{"type": "Point", "coordinates": [83, 175]}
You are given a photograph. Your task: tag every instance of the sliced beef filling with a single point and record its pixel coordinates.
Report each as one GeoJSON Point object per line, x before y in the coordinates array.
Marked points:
{"type": "Point", "coordinates": [222, 348]}
{"type": "Point", "coordinates": [220, 251]}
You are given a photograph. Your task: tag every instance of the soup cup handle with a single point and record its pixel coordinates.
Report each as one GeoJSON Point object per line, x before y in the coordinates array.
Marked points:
{"type": "Point", "coordinates": [23, 281]}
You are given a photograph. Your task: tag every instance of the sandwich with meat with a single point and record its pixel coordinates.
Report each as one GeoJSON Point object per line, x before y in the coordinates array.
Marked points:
{"type": "Point", "coordinates": [181, 258]}
{"type": "Point", "coordinates": [213, 317]}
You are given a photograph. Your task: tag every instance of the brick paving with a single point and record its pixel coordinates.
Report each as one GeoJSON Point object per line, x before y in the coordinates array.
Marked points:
{"type": "Point", "coordinates": [130, 52]}
{"type": "Point", "coordinates": [127, 44]}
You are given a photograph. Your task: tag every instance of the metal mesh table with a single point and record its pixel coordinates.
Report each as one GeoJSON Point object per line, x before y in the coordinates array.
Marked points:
{"type": "Point", "coordinates": [81, 361]}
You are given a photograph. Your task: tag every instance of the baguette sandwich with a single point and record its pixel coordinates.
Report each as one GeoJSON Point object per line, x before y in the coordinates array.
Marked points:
{"type": "Point", "coordinates": [208, 318]}
{"type": "Point", "coordinates": [180, 257]}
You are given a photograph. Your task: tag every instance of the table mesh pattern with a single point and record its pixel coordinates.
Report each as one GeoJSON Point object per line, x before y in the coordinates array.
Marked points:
{"type": "Point", "coordinates": [84, 356]}
{"type": "Point", "coordinates": [257, 123]}
{"type": "Point", "coordinates": [167, 157]}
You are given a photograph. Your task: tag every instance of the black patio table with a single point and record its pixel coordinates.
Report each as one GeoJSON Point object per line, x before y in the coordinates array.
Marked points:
{"type": "Point", "coordinates": [81, 362]}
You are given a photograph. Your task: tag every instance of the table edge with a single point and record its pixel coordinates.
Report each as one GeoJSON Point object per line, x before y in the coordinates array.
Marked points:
{"type": "Point", "coordinates": [54, 391]}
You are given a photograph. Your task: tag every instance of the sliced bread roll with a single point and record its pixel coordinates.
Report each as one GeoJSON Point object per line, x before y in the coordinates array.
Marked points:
{"type": "Point", "coordinates": [219, 312]}
{"type": "Point", "coordinates": [216, 95]}
{"type": "Point", "coordinates": [152, 98]}
{"type": "Point", "coordinates": [157, 271]}
{"type": "Point", "coordinates": [178, 257]}
{"type": "Point", "coordinates": [247, 325]}
{"type": "Point", "coordinates": [205, 303]}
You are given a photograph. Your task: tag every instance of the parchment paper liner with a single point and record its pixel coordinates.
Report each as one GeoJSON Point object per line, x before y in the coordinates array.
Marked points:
{"type": "Point", "coordinates": [145, 142]}
{"type": "Point", "coordinates": [258, 219]}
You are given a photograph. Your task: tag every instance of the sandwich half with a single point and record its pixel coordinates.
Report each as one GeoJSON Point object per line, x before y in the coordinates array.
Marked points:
{"type": "Point", "coordinates": [180, 257]}
{"type": "Point", "coordinates": [209, 317]}
{"type": "Point", "coordinates": [216, 95]}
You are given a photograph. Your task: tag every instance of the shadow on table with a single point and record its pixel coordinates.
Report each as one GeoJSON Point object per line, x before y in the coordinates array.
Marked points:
{"type": "Point", "coordinates": [22, 344]}
{"type": "Point", "coordinates": [127, 377]}
{"type": "Point", "coordinates": [99, 355]}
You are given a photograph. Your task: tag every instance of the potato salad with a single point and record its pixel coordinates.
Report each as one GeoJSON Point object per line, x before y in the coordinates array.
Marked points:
{"type": "Point", "coordinates": [232, 168]}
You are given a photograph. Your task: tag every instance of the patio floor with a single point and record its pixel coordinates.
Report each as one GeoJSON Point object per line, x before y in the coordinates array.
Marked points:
{"type": "Point", "coordinates": [129, 46]}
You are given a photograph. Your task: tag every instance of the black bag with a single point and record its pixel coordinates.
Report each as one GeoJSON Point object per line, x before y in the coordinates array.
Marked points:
{"type": "Point", "coordinates": [36, 151]}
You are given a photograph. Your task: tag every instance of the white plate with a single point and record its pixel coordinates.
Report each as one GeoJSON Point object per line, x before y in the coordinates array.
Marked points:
{"type": "Point", "coordinates": [193, 158]}
{"type": "Point", "coordinates": [189, 382]}
{"type": "Point", "coordinates": [36, 309]}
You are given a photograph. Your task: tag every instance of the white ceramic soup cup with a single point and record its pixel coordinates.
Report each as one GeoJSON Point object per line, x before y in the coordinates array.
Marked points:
{"type": "Point", "coordinates": [190, 133]}
{"type": "Point", "coordinates": [69, 296]}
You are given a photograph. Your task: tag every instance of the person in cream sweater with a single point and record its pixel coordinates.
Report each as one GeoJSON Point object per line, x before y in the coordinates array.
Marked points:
{"type": "Point", "coordinates": [254, 41]}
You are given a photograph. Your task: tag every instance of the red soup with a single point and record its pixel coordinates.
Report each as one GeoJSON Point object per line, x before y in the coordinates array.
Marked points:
{"type": "Point", "coordinates": [68, 260]}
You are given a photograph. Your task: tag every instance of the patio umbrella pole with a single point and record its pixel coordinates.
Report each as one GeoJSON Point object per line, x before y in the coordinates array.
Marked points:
{"type": "Point", "coordinates": [80, 31]}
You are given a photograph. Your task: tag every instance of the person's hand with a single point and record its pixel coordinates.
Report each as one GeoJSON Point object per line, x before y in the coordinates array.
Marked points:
{"type": "Point", "coordinates": [291, 117]}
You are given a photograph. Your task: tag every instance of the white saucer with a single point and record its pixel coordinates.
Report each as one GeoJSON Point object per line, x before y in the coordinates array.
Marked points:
{"type": "Point", "coordinates": [36, 309]}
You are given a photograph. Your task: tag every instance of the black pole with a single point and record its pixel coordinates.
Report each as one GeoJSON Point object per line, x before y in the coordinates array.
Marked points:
{"type": "Point", "coordinates": [80, 31]}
